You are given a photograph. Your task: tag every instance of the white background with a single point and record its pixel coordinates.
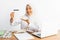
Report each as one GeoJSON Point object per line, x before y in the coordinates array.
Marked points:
{"type": "Point", "coordinates": [46, 13]}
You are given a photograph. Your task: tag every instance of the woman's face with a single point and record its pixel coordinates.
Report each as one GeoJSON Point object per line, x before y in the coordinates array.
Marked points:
{"type": "Point", "coordinates": [29, 10]}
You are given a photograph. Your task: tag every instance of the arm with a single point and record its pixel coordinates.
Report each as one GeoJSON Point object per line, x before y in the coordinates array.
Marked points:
{"type": "Point", "coordinates": [11, 17]}
{"type": "Point", "coordinates": [26, 21]}
{"type": "Point", "coordinates": [16, 22]}
{"type": "Point", "coordinates": [13, 21]}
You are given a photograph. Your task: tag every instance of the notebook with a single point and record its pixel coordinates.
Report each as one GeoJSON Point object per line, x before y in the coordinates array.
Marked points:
{"type": "Point", "coordinates": [24, 36]}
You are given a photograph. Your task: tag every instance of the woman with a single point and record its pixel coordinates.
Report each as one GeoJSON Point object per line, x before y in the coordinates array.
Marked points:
{"type": "Point", "coordinates": [28, 19]}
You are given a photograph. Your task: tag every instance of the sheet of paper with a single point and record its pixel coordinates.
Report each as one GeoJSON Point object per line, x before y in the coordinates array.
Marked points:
{"type": "Point", "coordinates": [24, 36]}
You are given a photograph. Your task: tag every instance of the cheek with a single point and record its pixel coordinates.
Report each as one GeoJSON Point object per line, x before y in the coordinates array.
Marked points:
{"type": "Point", "coordinates": [29, 11]}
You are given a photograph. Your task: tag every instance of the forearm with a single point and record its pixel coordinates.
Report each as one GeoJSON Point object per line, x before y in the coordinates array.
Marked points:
{"type": "Point", "coordinates": [26, 21]}
{"type": "Point", "coordinates": [15, 23]}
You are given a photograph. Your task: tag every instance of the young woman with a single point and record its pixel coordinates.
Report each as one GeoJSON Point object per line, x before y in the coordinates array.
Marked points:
{"type": "Point", "coordinates": [27, 22]}
{"type": "Point", "coordinates": [28, 19]}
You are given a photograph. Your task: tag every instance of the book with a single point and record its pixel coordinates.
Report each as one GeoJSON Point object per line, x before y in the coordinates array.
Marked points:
{"type": "Point", "coordinates": [24, 36]}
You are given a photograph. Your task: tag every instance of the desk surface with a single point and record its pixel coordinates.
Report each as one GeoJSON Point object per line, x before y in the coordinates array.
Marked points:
{"type": "Point", "coordinates": [55, 37]}
{"type": "Point", "coordinates": [14, 38]}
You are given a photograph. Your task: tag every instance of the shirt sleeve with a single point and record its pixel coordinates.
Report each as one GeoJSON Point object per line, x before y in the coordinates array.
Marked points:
{"type": "Point", "coordinates": [16, 22]}
{"type": "Point", "coordinates": [33, 27]}
{"type": "Point", "coordinates": [24, 24]}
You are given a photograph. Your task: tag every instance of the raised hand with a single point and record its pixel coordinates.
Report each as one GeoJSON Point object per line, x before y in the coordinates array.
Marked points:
{"type": "Point", "coordinates": [11, 17]}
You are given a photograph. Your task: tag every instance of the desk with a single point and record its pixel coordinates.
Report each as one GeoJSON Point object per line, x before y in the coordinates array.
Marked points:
{"type": "Point", "coordinates": [54, 37]}
{"type": "Point", "coordinates": [14, 38]}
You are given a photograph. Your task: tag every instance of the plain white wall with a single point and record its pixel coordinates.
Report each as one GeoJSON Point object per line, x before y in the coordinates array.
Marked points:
{"type": "Point", "coordinates": [58, 12]}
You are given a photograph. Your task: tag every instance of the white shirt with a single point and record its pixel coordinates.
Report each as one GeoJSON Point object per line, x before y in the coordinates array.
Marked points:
{"type": "Point", "coordinates": [31, 27]}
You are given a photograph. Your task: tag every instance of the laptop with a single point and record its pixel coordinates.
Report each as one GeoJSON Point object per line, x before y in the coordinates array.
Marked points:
{"type": "Point", "coordinates": [37, 34]}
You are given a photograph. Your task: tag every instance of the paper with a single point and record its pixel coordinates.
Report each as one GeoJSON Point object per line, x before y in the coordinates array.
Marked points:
{"type": "Point", "coordinates": [24, 36]}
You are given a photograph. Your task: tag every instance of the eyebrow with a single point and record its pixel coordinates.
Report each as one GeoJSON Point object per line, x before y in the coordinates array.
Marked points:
{"type": "Point", "coordinates": [29, 8]}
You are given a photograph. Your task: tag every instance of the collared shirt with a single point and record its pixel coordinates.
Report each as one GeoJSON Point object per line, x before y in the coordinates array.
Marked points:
{"type": "Point", "coordinates": [32, 26]}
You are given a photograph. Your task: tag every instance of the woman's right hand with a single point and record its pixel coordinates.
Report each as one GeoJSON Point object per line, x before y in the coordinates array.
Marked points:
{"type": "Point", "coordinates": [11, 17]}
{"type": "Point", "coordinates": [11, 20]}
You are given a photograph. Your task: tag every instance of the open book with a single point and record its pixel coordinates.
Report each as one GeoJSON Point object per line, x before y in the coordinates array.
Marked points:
{"type": "Point", "coordinates": [24, 36]}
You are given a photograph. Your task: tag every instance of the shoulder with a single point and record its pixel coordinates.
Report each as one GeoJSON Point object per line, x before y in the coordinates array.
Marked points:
{"type": "Point", "coordinates": [24, 17]}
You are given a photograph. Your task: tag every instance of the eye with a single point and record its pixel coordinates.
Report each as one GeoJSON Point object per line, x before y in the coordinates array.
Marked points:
{"type": "Point", "coordinates": [26, 8]}
{"type": "Point", "coordinates": [29, 8]}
